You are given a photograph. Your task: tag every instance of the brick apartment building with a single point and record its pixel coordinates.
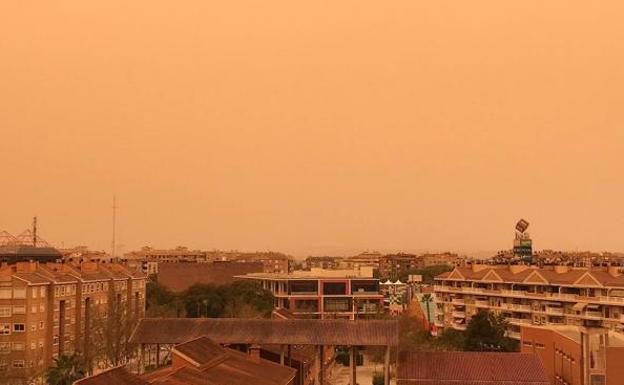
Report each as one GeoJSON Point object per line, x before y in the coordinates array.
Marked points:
{"type": "Point", "coordinates": [51, 309]}
{"type": "Point", "coordinates": [528, 295]}
{"type": "Point", "coordinates": [149, 259]}
{"type": "Point", "coordinates": [398, 265]}
{"type": "Point", "coordinates": [324, 294]}
{"type": "Point", "coordinates": [577, 355]}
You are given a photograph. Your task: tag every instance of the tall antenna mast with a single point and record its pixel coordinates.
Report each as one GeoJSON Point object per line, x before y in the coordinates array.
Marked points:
{"type": "Point", "coordinates": [34, 232]}
{"type": "Point", "coordinates": [114, 224]}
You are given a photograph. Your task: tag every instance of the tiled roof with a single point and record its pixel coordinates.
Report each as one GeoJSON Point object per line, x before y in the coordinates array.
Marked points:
{"type": "Point", "coordinates": [213, 365]}
{"type": "Point", "coordinates": [263, 331]}
{"type": "Point", "coordinates": [564, 277]}
{"type": "Point", "coordinates": [115, 376]}
{"type": "Point", "coordinates": [470, 368]}
{"type": "Point", "coordinates": [200, 350]}
{"type": "Point", "coordinates": [301, 353]}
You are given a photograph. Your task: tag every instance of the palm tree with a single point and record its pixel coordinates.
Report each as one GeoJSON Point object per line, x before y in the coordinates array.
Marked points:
{"type": "Point", "coordinates": [427, 299]}
{"type": "Point", "coordinates": [65, 371]}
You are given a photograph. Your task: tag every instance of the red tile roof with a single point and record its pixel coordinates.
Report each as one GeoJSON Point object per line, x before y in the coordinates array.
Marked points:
{"type": "Point", "coordinates": [115, 376]}
{"type": "Point", "coordinates": [265, 331]}
{"type": "Point", "coordinates": [470, 368]}
{"type": "Point", "coordinates": [567, 276]}
{"type": "Point", "coordinates": [203, 362]}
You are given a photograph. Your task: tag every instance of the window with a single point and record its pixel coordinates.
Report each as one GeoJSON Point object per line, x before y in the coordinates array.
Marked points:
{"type": "Point", "coordinates": [19, 328]}
{"type": "Point", "coordinates": [5, 311]}
{"type": "Point", "coordinates": [42, 292]}
{"type": "Point", "coordinates": [33, 327]}
{"type": "Point", "coordinates": [18, 346]}
{"type": "Point", "coordinates": [18, 363]}
{"type": "Point", "coordinates": [33, 345]}
{"type": "Point", "coordinates": [539, 346]}
{"type": "Point", "coordinates": [40, 342]}
{"type": "Point", "coordinates": [33, 309]}
{"type": "Point", "coordinates": [3, 366]}
{"type": "Point", "coordinates": [5, 293]}
{"type": "Point", "coordinates": [41, 307]}
{"type": "Point", "coordinates": [35, 292]}
{"type": "Point", "coordinates": [19, 310]}
{"type": "Point", "coordinates": [5, 347]}
{"type": "Point", "coordinates": [19, 292]}
{"type": "Point", "coordinates": [41, 325]}
{"type": "Point", "coordinates": [5, 329]}
{"type": "Point", "coordinates": [527, 343]}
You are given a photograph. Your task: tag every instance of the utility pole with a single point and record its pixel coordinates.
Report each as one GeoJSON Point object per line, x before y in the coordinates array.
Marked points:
{"type": "Point", "coordinates": [114, 224]}
{"type": "Point", "coordinates": [34, 232]}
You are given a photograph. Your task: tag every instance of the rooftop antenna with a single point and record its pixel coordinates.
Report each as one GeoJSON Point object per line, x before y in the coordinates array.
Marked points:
{"type": "Point", "coordinates": [114, 224]}
{"type": "Point", "coordinates": [34, 233]}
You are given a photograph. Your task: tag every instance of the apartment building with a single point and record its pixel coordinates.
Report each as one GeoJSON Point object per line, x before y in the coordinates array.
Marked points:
{"type": "Point", "coordinates": [574, 355]}
{"type": "Point", "coordinates": [51, 309]}
{"type": "Point", "coordinates": [394, 266]}
{"type": "Point", "coordinates": [149, 260]}
{"type": "Point", "coordinates": [528, 295]}
{"type": "Point", "coordinates": [324, 294]}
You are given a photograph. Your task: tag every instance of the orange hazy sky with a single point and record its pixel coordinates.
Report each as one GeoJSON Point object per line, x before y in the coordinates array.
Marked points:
{"type": "Point", "coordinates": [314, 126]}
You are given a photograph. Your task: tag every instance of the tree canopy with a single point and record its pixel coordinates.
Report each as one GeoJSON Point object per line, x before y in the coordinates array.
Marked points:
{"type": "Point", "coordinates": [240, 299]}
{"type": "Point", "coordinates": [486, 332]}
{"type": "Point", "coordinates": [65, 371]}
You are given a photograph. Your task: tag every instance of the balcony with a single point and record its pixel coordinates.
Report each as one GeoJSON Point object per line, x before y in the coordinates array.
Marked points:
{"type": "Point", "coordinates": [459, 314]}
{"type": "Point", "coordinates": [519, 321]}
{"type": "Point", "coordinates": [594, 314]}
{"type": "Point", "coordinates": [514, 335]}
{"type": "Point", "coordinates": [483, 304]}
{"type": "Point", "coordinates": [458, 301]}
{"type": "Point", "coordinates": [554, 310]}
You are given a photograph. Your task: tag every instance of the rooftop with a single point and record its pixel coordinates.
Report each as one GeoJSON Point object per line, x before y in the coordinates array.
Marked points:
{"type": "Point", "coordinates": [204, 362]}
{"type": "Point", "coordinates": [115, 376]}
{"type": "Point", "coordinates": [265, 331]}
{"type": "Point", "coordinates": [550, 275]}
{"type": "Point", "coordinates": [470, 368]}
{"type": "Point", "coordinates": [314, 273]}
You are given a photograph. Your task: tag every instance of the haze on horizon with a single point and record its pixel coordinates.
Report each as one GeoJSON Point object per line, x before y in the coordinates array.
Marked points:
{"type": "Point", "coordinates": [314, 127]}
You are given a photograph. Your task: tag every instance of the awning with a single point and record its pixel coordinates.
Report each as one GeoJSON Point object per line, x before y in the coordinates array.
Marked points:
{"type": "Point", "coordinates": [579, 306]}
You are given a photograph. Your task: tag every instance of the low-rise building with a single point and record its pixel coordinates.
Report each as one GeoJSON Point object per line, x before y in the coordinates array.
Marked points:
{"type": "Point", "coordinates": [324, 294]}
{"type": "Point", "coordinates": [529, 295]}
{"type": "Point", "coordinates": [576, 355]}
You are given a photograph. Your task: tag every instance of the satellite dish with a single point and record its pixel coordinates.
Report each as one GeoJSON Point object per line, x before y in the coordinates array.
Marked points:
{"type": "Point", "coordinates": [522, 225]}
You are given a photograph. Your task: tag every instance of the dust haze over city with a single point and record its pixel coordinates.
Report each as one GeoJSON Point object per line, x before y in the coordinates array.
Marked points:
{"type": "Point", "coordinates": [311, 192]}
{"type": "Point", "coordinates": [314, 128]}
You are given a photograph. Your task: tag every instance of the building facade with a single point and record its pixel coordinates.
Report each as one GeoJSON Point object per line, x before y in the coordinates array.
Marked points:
{"type": "Point", "coordinates": [324, 294]}
{"type": "Point", "coordinates": [528, 295]}
{"type": "Point", "coordinates": [576, 355]}
{"type": "Point", "coordinates": [53, 309]}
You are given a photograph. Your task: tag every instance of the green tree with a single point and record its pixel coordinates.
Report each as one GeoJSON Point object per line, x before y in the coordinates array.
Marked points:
{"type": "Point", "coordinates": [65, 371]}
{"type": "Point", "coordinates": [486, 332]}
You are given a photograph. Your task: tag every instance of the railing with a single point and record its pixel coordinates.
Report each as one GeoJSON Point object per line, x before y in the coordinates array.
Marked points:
{"type": "Point", "coordinates": [459, 314]}
{"type": "Point", "coordinates": [525, 294]}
